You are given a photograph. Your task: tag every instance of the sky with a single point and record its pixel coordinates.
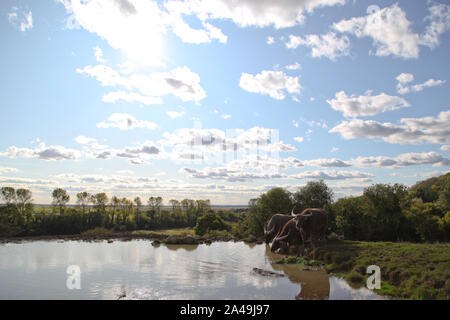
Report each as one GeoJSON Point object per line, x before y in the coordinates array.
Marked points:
{"type": "Point", "coordinates": [219, 99]}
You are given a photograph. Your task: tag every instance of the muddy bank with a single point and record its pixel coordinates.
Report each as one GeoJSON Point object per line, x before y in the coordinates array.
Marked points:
{"type": "Point", "coordinates": [125, 236]}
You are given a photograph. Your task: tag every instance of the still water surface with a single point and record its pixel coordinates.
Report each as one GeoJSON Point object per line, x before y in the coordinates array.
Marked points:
{"type": "Point", "coordinates": [136, 269]}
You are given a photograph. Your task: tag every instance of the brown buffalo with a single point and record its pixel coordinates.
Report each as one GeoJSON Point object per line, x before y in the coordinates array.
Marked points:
{"type": "Point", "coordinates": [275, 225]}
{"type": "Point", "coordinates": [288, 236]}
{"type": "Point", "coordinates": [313, 222]}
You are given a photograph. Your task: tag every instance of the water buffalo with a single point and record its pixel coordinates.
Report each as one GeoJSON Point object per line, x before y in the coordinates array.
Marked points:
{"type": "Point", "coordinates": [275, 225]}
{"type": "Point", "coordinates": [312, 222]}
{"type": "Point", "coordinates": [287, 237]}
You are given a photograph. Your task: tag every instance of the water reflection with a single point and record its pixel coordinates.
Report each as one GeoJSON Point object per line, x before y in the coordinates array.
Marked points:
{"type": "Point", "coordinates": [187, 247]}
{"type": "Point", "coordinates": [138, 270]}
{"type": "Point", "coordinates": [314, 284]}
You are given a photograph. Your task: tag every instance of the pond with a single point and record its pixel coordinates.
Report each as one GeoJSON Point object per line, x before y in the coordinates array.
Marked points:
{"type": "Point", "coordinates": [137, 270]}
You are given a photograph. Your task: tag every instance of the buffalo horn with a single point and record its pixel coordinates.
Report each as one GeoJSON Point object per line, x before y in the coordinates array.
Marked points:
{"type": "Point", "coordinates": [283, 237]}
{"type": "Point", "coordinates": [292, 212]}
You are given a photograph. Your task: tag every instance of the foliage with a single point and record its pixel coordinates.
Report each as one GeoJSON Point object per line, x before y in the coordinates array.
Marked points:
{"type": "Point", "coordinates": [277, 200]}
{"type": "Point", "coordinates": [316, 194]}
{"type": "Point", "coordinates": [405, 267]}
{"type": "Point", "coordinates": [18, 217]}
{"type": "Point", "coordinates": [209, 222]}
{"type": "Point", "coordinates": [60, 198]}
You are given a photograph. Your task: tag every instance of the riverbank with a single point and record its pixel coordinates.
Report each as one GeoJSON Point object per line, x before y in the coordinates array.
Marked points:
{"type": "Point", "coordinates": [408, 270]}
{"type": "Point", "coordinates": [171, 236]}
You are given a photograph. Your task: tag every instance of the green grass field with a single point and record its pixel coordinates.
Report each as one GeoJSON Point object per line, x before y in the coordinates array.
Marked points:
{"type": "Point", "coordinates": [408, 270]}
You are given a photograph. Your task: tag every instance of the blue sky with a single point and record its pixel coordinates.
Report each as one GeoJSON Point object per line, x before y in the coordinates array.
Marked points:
{"type": "Point", "coordinates": [222, 100]}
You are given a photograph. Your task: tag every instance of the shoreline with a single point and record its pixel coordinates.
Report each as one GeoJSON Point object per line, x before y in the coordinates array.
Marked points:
{"type": "Point", "coordinates": [128, 236]}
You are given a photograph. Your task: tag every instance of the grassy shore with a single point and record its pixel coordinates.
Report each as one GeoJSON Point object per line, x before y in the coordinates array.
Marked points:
{"type": "Point", "coordinates": [408, 270]}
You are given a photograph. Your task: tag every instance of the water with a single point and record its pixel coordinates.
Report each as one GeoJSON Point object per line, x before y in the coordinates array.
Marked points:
{"type": "Point", "coordinates": [137, 270]}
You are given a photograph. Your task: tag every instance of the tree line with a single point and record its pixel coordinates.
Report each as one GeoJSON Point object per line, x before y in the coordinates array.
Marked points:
{"type": "Point", "coordinates": [19, 217]}
{"type": "Point", "coordinates": [384, 212]}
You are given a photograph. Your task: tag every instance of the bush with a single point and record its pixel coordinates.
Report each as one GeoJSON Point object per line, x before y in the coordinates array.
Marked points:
{"type": "Point", "coordinates": [208, 222]}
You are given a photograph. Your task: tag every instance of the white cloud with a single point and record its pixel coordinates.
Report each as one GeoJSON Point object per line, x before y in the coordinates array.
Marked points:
{"type": "Point", "coordinates": [175, 114]}
{"type": "Point", "coordinates": [366, 105]}
{"type": "Point", "coordinates": [85, 140]}
{"type": "Point", "coordinates": [426, 175]}
{"type": "Point", "coordinates": [439, 23]}
{"type": "Point", "coordinates": [7, 170]}
{"type": "Point", "coordinates": [90, 142]}
{"type": "Point", "coordinates": [215, 140]}
{"type": "Point", "coordinates": [225, 116]}
{"type": "Point", "coordinates": [294, 66]}
{"type": "Point", "coordinates": [299, 139]}
{"type": "Point", "coordinates": [215, 33]}
{"type": "Point", "coordinates": [332, 175]}
{"type": "Point", "coordinates": [227, 174]}
{"type": "Point", "coordinates": [295, 123]}
{"type": "Point", "coordinates": [180, 82]}
{"type": "Point", "coordinates": [428, 83]}
{"type": "Point", "coordinates": [98, 53]}
{"type": "Point", "coordinates": [330, 163]}
{"type": "Point", "coordinates": [326, 45]}
{"type": "Point", "coordinates": [113, 97]}
{"type": "Point", "coordinates": [334, 149]}
{"type": "Point", "coordinates": [21, 19]}
{"type": "Point", "coordinates": [391, 33]}
{"type": "Point", "coordinates": [189, 35]}
{"type": "Point", "coordinates": [270, 40]}
{"type": "Point", "coordinates": [135, 27]}
{"type": "Point", "coordinates": [445, 148]}
{"type": "Point", "coordinates": [390, 30]}
{"type": "Point", "coordinates": [125, 121]}
{"type": "Point", "coordinates": [50, 153]}
{"type": "Point", "coordinates": [402, 160]}
{"type": "Point", "coordinates": [404, 78]}
{"type": "Point", "coordinates": [247, 13]}
{"type": "Point", "coordinates": [412, 130]}
{"type": "Point", "coordinates": [272, 83]}
{"type": "Point", "coordinates": [294, 98]}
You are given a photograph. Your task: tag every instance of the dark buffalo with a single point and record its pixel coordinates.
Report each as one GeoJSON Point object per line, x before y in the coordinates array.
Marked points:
{"type": "Point", "coordinates": [313, 222]}
{"type": "Point", "coordinates": [288, 236]}
{"type": "Point", "coordinates": [275, 225]}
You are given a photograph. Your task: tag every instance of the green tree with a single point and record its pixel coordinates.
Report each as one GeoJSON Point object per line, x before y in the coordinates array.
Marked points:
{"type": "Point", "coordinates": [444, 197]}
{"type": "Point", "coordinates": [155, 203]}
{"type": "Point", "coordinates": [203, 206]}
{"type": "Point", "coordinates": [100, 200]}
{"type": "Point", "coordinates": [24, 199]}
{"type": "Point", "coordinates": [386, 209]}
{"type": "Point", "coordinates": [208, 222]}
{"type": "Point", "coordinates": [8, 195]}
{"type": "Point", "coordinates": [316, 194]}
{"type": "Point", "coordinates": [138, 203]}
{"type": "Point", "coordinates": [115, 205]}
{"type": "Point", "coordinates": [277, 200]}
{"type": "Point", "coordinates": [351, 220]}
{"type": "Point", "coordinates": [60, 198]}
{"type": "Point", "coordinates": [175, 204]}
{"type": "Point", "coordinates": [83, 200]}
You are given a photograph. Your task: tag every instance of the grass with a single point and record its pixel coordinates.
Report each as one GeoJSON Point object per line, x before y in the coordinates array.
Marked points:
{"type": "Point", "coordinates": [408, 270]}
{"type": "Point", "coordinates": [169, 232]}
{"type": "Point", "coordinates": [99, 232]}
{"type": "Point", "coordinates": [299, 260]}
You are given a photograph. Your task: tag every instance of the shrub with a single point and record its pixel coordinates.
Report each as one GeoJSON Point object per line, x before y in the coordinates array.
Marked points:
{"type": "Point", "coordinates": [208, 222]}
